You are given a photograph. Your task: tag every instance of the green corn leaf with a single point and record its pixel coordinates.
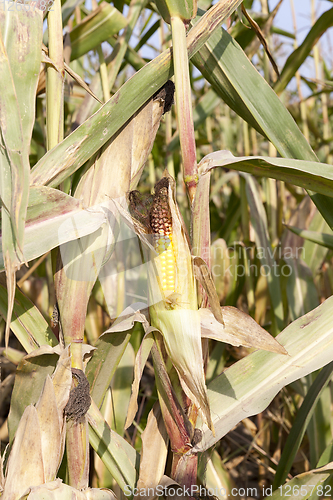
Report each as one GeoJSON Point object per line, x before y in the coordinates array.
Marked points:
{"type": "Point", "coordinates": [323, 239]}
{"type": "Point", "coordinates": [313, 254]}
{"type": "Point", "coordinates": [301, 422]}
{"type": "Point", "coordinates": [304, 485]}
{"type": "Point", "coordinates": [118, 455]}
{"type": "Point", "coordinates": [177, 8]}
{"type": "Point", "coordinates": [224, 64]}
{"type": "Point", "coordinates": [248, 386]}
{"type": "Point", "coordinates": [301, 291]}
{"type": "Point", "coordinates": [96, 28]}
{"type": "Point", "coordinates": [307, 174]}
{"type": "Point", "coordinates": [28, 324]}
{"type": "Point", "coordinates": [296, 58]}
{"type": "Point", "coordinates": [20, 56]}
{"type": "Point", "coordinates": [53, 218]}
{"type": "Point", "coordinates": [222, 61]}
{"type": "Point", "coordinates": [265, 251]}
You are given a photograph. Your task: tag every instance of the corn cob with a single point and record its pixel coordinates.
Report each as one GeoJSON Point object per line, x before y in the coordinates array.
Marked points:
{"type": "Point", "coordinates": [161, 227]}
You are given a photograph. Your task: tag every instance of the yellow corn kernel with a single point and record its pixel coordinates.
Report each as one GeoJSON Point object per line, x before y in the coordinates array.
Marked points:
{"type": "Point", "coordinates": [166, 263]}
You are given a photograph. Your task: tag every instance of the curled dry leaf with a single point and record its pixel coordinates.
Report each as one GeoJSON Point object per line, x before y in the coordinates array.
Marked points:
{"type": "Point", "coordinates": [239, 329]}
{"type": "Point", "coordinates": [128, 317]}
{"type": "Point", "coordinates": [42, 76]}
{"type": "Point", "coordinates": [261, 36]}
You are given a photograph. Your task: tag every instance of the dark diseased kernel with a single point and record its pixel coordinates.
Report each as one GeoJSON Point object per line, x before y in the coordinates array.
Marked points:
{"type": "Point", "coordinates": [160, 214]}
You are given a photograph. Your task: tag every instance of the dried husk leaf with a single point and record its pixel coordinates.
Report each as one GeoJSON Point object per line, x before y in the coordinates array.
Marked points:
{"type": "Point", "coordinates": [177, 422]}
{"type": "Point", "coordinates": [146, 123]}
{"type": "Point", "coordinates": [165, 483]}
{"type": "Point", "coordinates": [140, 361]}
{"type": "Point", "coordinates": [154, 450]}
{"type": "Point", "coordinates": [52, 430]}
{"type": "Point", "coordinates": [99, 494]}
{"type": "Point", "coordinates": [127, 318]}
{"type": "Point", "coordinates": [220, 262]}
{"type": "Point", "coordinates": [25, 463]}
{"type": "Point", "coordinates": [40, 437]}
{"type": "Point", "coordinates": [55, 490]}
{"type": "Point", "coordinates": [50, 409]}
{"type": "Point", "coordinates": [239, 329]}
{"type": "Point", "coordinates": [182, 335]}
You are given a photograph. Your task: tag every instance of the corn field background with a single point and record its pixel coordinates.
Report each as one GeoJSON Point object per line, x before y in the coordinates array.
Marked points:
{"type": "Point", "coordinates": [115, 378]}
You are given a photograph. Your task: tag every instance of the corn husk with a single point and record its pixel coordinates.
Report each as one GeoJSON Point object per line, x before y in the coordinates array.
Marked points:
{"type": "Point", "coordinates": [39, 441]}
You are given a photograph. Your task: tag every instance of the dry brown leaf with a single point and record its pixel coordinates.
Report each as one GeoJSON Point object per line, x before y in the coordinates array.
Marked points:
{"type": "Point", "coordinates": [154, 450]}
{"type": "Point", "coordinates": [25, 464]}
{"type": "Point", "coordinates": [261, 37]}
{"type": "Point", "coordinates": [239, 329]}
